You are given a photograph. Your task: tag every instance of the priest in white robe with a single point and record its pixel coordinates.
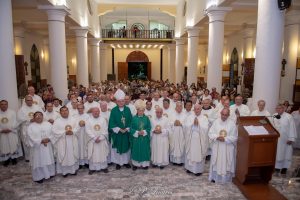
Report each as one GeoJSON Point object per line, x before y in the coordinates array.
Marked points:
{"type": "Point", "coordinates": [177, 135]}
{"type": "Point", "coordinates": [98, 148]}
{"type": "Point", "coordinates": [285, 125]}
{"type": "Point", "coordinates": [24, 117]}
{"type": "Point", "coordinates": [223, 135]}
{"type": "Point", "coordinates": [159, 139]}
{"type": "Point", "coordinates": [90, 103]}
{"type": "Point", "coordinates": [296, 117]}
{"type": "Point", "coordinates": [261, 111]}
{"type": "Point", "coordinates": [50, 115]}
{"type": "Point", "coordinates": [65, 139]}
{"type": "Point", "coordinates": [41, 151]}
{"type": "Point", "coordinates": [167, 110]}
{"type": "Point", "coordinates": [149, 111]}
{"type": "Point", "coordinates": [56, 105]}
{"type": "Point", "coordinates": [82, 117]}
{"type": "Point", "coordinates": [129, 104]}
{"type": "Point", "coordinates": [36, 99]}
{"type": "Point", "coordinates": [196, 128]}
{"type": "Point", "coordinates": [239, 109]}
{"type": "Point", "coordinates": [156, 101]}
{"type": "Point", "coordinates": [10, 146]}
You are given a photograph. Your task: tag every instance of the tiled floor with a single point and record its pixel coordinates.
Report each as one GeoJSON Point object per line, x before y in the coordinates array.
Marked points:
{"type": "Point", "coordinates": [170, 183]}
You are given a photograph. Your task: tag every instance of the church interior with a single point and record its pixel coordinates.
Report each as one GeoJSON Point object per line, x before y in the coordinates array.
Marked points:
{"type": "Point", "coordinates": [249, 46]}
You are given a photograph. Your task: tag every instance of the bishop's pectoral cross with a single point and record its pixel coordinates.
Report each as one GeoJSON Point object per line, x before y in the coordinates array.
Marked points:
{"type": "Point", "coordinates": [123, 120]}
{"type": "Point", "coordinates": [141, 126]}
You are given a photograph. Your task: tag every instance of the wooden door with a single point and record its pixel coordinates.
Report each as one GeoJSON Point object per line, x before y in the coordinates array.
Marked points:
{"type": "Point", "coordinates": [149, 70]}
{"type": "Point", "coordinates": [122, 71]}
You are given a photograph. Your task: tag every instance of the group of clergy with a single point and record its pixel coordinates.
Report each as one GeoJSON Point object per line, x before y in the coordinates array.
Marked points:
{"type": "Point", "coordinates": [129, 134]}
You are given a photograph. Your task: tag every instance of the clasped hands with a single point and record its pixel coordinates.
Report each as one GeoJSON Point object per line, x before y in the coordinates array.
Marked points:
{"type": "Point", "coordinates": [123, 130]}
{"type": "Point", "coordinates": [69, 132]}
{"type": "Point", "coordinates": [45, 141]}
{"type": "Point", "coordinates": [221, 139]}
{"type": "Point", "coordinates": [177, 123]}
{"type": "Point", "coordinates": [5, 131]}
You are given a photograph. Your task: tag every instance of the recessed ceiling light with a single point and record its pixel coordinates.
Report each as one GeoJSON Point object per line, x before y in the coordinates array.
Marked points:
{"type": "Point", "coordinates": [161, 46]}
{"type": "Point", "coordinates": [149, 46]}
{"type": "Point", "coordinates": [124, 46]}
{"type": "Point", "coordinates": [131, 46]}
{"type": "Point", "coordinates": [155, 46]}
{"type": "Point", "coordinates": [137, 46]}
{"type": "Point", "coordinates": [119, 46]}
{"type": "Point", "coordinates": [143, 46]}
{"type": "Point", "coordinates": [112, 46]}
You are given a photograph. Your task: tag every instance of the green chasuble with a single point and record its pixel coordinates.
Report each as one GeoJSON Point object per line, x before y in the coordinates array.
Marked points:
{"type": "Point", "coordinates": [140, 146]}
{"type": "Point", "coordinates": [121, 119]}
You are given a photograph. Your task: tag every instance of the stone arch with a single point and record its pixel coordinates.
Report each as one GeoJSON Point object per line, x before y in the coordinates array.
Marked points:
{"type": "Point", "coordinates": [137, 56]}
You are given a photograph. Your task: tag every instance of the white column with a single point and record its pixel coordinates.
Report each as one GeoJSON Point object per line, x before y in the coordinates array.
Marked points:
{"type": "Point", "coordinates": [171, 56]}
{"type": "Point", "coordinates": [193, 39]}
{"type": "Point", "coordinates": [57, 49]}
{"type": "Point", "coordinates": [270, 26]}
{"type": "Point", "coordinates": [95, 60]}
{"type": "Point", "coordinates": [82, 56]}
{"type": "Point", "coordinates": [291, 41]}
{"type": "Point", "coordinates": [19, 36]}
{"type": "Point", "coordinates": [103, 60]}
{"type": "Point", "coordinates": [179, 71]}
{"type": "Point", "coordinates": [248, 36]}
{"type": "Point", "coordinates": [8, 80]}
{"type": "Point", "coordinates": [215, 46]}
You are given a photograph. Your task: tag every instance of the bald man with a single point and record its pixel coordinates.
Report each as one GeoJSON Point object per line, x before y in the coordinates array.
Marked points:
{"type": "Point", "coordinates": [196, 128]}
{"type": "Point", "coordinates": [36, 99]}
{"type": "Point", "coordinates": [223, 136]}
{"type": "Point", "coordinates": [98, 148]}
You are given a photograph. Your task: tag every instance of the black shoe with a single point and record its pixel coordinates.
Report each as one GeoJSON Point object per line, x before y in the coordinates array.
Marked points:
{"type": "Point", "coordinates": [213, 181]}
{"type": "Point", "coordinates": [80, 166]}
{"type": "Point", "coordinates": [198, 174]}
{"type": "Point", "coordinates": [6, 163]}
{"type": "Point", "coordinates": [65, 176]}
{"type": "Point", "coordinates": [91, 172]}
{"type": "Point", "coordinates": [118, 167]}
{"type": "Point", "coordinates": [105, 170]}
{"type": "Point", "coordinates": [283, 170]}
{"type": "Point", "coordinates": [181, 164]}
{"type": "Point", "coordinates": [74, 174]}
{"type": "Point", "coordinates": [145, 168]}
{"type": "Point", "coordinates": [154, 166]}
{"type": "Point", "coordinates": [207, 158]}
{"type": "Point", "coordinates": [161, 167]}
{"type": "Point", "coordinates": [40, 181]}
{"type": "Point", "coordinates": [14, 161]}
{"type": "Point", "coordinates": [86, 165]}
{"type": "Point", "coordinates": [134, 168]}
{"type": "Point", "coordinates": [127, 166]}
{"type": "Point", "coordinates": [109, 164]}
{"type": "Point", "coordinates": [188, 171]}
{"type": "Point", "coordinates": [26, 160]}
{"type": "Point", "coordinates": [277, 170]}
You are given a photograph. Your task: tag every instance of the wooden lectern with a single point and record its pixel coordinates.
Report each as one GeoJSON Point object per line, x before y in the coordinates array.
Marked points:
{"type": "Point", "coordinates": [256, 154]}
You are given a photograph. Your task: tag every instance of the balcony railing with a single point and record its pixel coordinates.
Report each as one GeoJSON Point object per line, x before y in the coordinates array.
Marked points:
{"type": "Point", "coordinates": [137, 34]}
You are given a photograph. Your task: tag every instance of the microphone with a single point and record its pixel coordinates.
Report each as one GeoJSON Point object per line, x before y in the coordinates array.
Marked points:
{"type": "Point", "coordinates": [264, 121]}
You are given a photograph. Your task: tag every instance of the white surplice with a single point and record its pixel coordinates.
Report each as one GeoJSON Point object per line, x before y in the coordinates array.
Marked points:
{"type": "Point", "coordinates": [82, 138]}
{"type": "Point", "coordinates": [296, 117]}
{"type": "Point", "coordinates": [287, 130]}
{"type": "Point", "coordinates": [160, 142]}
{"type": "Point", "coordinates": [222, 163]}
{"type": "Point", "coordinates": [97, 152]}
{"type": "Point", "coordinates": [10, 146]}
{"type": "Point", "coordinates": [66, 145]}
{"type": "Point", "coordinates": [196, 143]}
{"type": "Point", "coordinates": [177, 137]}
{"type": "Point", "coordinates": [42, 159]}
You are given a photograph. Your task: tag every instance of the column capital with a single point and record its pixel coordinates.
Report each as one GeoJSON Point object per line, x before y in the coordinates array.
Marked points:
{"type": "Point", "coordinates": [179, 41]}
{"type": "Point", "coordinates": [55, 13]}
{"type": "Point", "coordinates": [94, 41]}
{"type": "Point", "coordinates": [193, 31]}
{"type": "Point", "coordinates": [217, 13]}
{"type": "Point", "coordinates": [103, 46]}
{"type": "Point", "coordinates": [80, 31]}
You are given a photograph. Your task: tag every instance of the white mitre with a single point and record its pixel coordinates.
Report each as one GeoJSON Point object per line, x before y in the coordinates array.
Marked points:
{"type": "Point", "coordinates": [119, 95]}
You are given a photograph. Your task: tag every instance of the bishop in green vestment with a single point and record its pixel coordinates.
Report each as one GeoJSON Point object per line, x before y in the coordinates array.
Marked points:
{"type": "Point", "coordinates": [140, 137]}
{"type": "Point", "coordinates": [118, 127]}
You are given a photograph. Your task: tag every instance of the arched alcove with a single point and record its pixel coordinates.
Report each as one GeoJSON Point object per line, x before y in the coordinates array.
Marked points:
{"type": "Point", "coordinates": [137, 66]}
{"type": "Point", "coordinates": [234, 63]}
{"type": "Point", "coordinates": [35, 67]}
